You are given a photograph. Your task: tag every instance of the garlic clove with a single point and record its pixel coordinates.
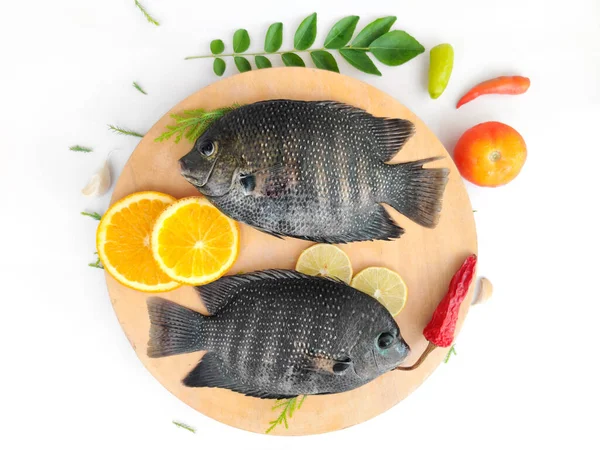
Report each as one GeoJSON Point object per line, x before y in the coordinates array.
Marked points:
{"type": "Point", "coordinates": [485, 291]}
{"type": "Point", "coordinates": [99, 182]}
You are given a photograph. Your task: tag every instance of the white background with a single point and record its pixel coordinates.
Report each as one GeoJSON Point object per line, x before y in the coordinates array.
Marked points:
{"type": "Point", "coordinates": [526, 374]}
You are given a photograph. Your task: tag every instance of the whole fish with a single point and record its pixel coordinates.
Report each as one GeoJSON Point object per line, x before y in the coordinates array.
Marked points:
{"type": "Point", "coordinates": [313, 170]}
{"type": "Point", "coordinates": [279, 334]}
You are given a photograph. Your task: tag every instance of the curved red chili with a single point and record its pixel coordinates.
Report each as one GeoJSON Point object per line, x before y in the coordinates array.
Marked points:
{"type": "Point", "coordinates": [502, 85]}
{"type": "Point", "coordinates": [440, 330]}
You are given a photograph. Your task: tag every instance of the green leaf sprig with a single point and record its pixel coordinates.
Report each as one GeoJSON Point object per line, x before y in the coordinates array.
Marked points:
{"type": "Point", "coordinates": [80, 148]}
{"type": "Point", "coordinates": [148, 17]}
{"type": "Point", "coordinates": [139, 88]}
{"type": "Point", "coordinates": [287, 407]}
{"type": "Point", "coordinates": [93, 215]}
{"type": "Point", "coordinates": [391, 48]}
{"type": "Point", "coordinates": [184, 426]}
{"type": "Point", "coordinates": [191, 123]}
{"type": "Point", "coordinates": [98, 264]}
{"type": "Point", "coordinates": [451, 352]}
{"type": "Point", "coordinates": [124, 131]}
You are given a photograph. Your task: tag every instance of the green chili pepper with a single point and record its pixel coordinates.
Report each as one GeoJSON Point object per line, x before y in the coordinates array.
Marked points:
{"type": "Point", "coordinates": [441, 61]}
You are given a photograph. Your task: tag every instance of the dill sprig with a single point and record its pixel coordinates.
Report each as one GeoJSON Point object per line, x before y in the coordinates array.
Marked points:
{"type": "Point", "coordinates": [98, 264]}
{"type": "Point", "coordinates": [287, 406]}
{"type": "Point", "coordinates": [149, 18]}
{"type": "Point", "coordinates": [139, 88]}
{"type": "Point", "coordinates": [451, 352]}
{"type": "Point", "coordinates": [192, 123]}
{"type": "Point", "coordinates": [125, 131]}
{"type": "Point", "coordinates": [80, 148]}
{"type": "Point", "coordinates": [93, 215]}
{"type": "Point", "coordinates": [184, 426]}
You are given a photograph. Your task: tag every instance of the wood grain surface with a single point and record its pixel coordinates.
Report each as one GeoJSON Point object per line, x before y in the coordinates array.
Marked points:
{"type": "Point", "coordinates": [425, 258]}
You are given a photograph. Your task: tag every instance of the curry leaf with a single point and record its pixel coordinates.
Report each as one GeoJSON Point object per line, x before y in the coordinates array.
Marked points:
{"type": "Point", "coordinates": [395, 48]}
{"type": "Point", "coordinates": [324, 60]}
{"type": "Point", "coordinates": [262, 62]}
{"type": "Point", "coordinates": [242, 64]}
{"type": "Point", "coordinates": [217, 46]}
{"type": "Point", "coordinates": [306, 33]}
{"type": "Point", "coordinates": [360, 60]}
{"type": "Point", "coordinates": [274, 37]}
{"type": "Point", "coordinates": [342, 32]}
{"type": "Point", "coordinates": [372, 31]}
{"type": "Point", "coordinates": [219, 66]}
{"type": "Point", "coordinates": [241, 41]}
{"type": "Point", "coordinates": [292, 60]}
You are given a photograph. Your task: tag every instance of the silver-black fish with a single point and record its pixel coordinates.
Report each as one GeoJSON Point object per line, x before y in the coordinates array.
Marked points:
{"type": "Point", "coordinates": [279, 334]}
{"type": "Point", "coordinates": [313, 170]}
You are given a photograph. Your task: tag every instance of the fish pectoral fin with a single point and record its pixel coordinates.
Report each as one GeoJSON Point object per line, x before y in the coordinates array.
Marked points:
{"type": "Point", "coordinates": [212, 372]}
{"type": "Point", "coordinates": [327, 365]}
{"type": "Point", "coordinates": [269, 182]}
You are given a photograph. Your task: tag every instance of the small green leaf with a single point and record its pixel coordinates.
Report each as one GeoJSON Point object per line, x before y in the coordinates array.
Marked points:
{"type": "Point", "coordinates": [395, 48]}
{"type": "Point", "coordinates": [80, 148]}
{"type": "Point", "coordinates": [342, 32]}
{"type": "Point", "coordinates": [274, 38]}
{"type": "Point", "coordinates": [219, 66]}
{"type": "Point", "coordinates": [292, 60]}
{"type": "Point", "coordinates": [217, 46]}
{"type": "Point", "coordinates": [93, 215]}
{"type": "Point", "coordinates": [372, 31]}
{"type": "Point", "coordinates": [262, 62]}
{"type": "Point", "coordinates": [360, 60]}
{"type": "Point", "coordinates": [242, 64]}
{"type": "Point", "coordinates": [241, 41]}
{"type": "Point", "coordinates": [324, 60]}
{"type": "Point", "coordinates": [306, 33]}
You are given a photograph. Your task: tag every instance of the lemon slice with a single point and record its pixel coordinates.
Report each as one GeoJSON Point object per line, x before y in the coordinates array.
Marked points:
{"type": "Point", "coordinates": [326, 260]}
{"type": "Point", "coordinates": [383, 284]}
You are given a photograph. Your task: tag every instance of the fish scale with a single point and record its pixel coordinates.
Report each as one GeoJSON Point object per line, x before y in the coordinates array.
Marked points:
{"type": "Point", "coordinates": [313, 170]}
{"type": "Point", "coordinates": [278, 334]}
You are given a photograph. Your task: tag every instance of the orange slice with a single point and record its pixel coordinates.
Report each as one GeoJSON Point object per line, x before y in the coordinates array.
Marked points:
{"type": "Point", "coordinates": [123, 241]}
{"type": "Point", "coordinates": [193, 242]}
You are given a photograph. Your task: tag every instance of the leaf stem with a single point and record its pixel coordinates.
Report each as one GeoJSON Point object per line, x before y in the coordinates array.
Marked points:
{"type": "Point", "coordinates": [222, 55]}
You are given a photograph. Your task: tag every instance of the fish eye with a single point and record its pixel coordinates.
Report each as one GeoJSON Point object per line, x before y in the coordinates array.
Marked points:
{"type": "Point", "coordinates": [207, 148]}
{"type": "Point", "coordinates": [385, 340]}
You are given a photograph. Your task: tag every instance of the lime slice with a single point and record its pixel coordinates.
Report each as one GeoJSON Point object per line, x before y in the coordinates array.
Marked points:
{"type": "Point", "coordinates": [325, 260]}
{"type": "Point", "coordinates": [383, 284]}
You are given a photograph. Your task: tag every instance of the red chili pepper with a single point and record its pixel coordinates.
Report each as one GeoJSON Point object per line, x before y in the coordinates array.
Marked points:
{"type": "Point", "coordinates": [440, 330]}
{"type": "Point", "coordinates": [501, 85]}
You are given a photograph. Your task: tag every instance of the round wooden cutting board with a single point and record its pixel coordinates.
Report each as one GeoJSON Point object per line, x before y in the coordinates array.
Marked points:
{"type": "Point", "coordinates": [425, 258]}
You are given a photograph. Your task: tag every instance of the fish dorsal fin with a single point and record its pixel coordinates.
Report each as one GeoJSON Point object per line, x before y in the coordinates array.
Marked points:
{"type": "Point", "coordinates": [390, 134]}
{"type": "Point", "coordinates": [217, 294]}
{"type": "Point", "coordinates": [211, 371]}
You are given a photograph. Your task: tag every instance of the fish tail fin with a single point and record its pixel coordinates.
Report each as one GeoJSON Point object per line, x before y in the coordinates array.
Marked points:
{"type": "Point", "coordinates": [417, 192]}
{"type": "Point", "coordinates": [174, 329]}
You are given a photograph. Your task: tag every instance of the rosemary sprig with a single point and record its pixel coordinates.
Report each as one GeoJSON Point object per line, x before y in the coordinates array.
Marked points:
{"type": "Point", "coordinates": [139, 88]}
{"type": "Point", "coordinates": [93, 215]}
{"type": "Point", "coordinates": [149, 18]}
{"type": "Point", "coordinates": [124, 131]}
{"type": "Point", "coordinates": [287, 406]}
{"type": "Point", "coordinates": [184, 426]}
{"type": "Point", "coordinates": [192, 123]}
{"type": "Point", "coordinates": [80, 148]}
{"type": "Point", "coordinates": [451, 352]}
{"type": "Point", "coordinates": [97, 264]}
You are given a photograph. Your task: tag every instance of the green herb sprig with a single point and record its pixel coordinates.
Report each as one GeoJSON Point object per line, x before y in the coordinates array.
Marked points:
{"type": "Point", "coordinates": [98, 264]}
{"type": "Point", "coordinates": [148, 17]}
{"type": "Point", "coordinates": [184, 426]}
{"type": "Point", "coordinates": [80, 148]}
{"type": "Point", "coordinates": [124, 131]}
{"type": "Point", "coordinates": [287, 406]}
{"type": "Point", "coordinates": [93, 215]}
{"type": "Point", "coordinates": [192, 123]}
{"type": "Point", "coordinates": [139, 88]}
{"type": "Point", "coordinates": [451, 352]}
{"type": "Point", "coordinates": [391, 48]}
